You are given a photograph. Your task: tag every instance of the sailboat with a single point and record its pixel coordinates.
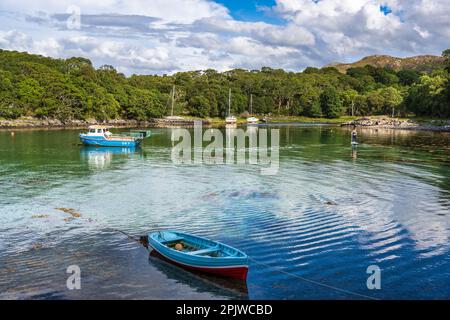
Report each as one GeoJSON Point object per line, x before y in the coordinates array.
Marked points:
{"type": "Point", "coordinates": [230, 119]}
{"type": "Point", "coordinates": [252, 119]}
{"type": "Point", "coordinates": [172, 117]}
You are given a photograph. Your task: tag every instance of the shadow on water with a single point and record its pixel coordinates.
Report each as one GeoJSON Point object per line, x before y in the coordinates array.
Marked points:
{"type": "Point", "coordinates": [235, 289]}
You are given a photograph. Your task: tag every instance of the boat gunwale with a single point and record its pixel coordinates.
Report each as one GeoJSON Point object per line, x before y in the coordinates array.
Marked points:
{"type": "Point", "coordinates": [242, 255]}
{"type": "Point", "coordinates": [114, 137]}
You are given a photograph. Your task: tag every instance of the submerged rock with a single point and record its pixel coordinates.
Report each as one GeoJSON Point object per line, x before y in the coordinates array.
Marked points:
{"type": "Point", "coordinates": [70, 211]}
{"type": "Point", "coordinates": [37, 246]}
{"type": "Point", "coordinates": [39, 216]}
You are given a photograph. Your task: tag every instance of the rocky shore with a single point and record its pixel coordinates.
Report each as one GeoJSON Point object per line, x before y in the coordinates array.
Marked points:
{"type": "Point", "coordinates": [367, 122]}
{"type": "Point", "coordinates": [30, 122]}
{"type": "Point", "coordinates": [394, 123]}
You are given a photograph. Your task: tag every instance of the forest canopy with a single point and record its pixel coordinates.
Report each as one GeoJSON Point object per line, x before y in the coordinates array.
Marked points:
{"type": "Point", "coordinates": [67, 89]}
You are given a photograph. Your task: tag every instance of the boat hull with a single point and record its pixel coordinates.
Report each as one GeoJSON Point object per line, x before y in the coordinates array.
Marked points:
{"type": "Point", "coordinates": [230, 120]}
{"type": "Point", "coordinates": [102, 142]}
{"type": "Point", "coordinates": [237, 272]}
{"type": "Point", "coordinates": [233, 264]}
{"type": "Point", "coordinates": [252, 120]}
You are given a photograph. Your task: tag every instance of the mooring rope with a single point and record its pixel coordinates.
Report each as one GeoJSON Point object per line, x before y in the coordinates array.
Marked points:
{"type": "Point", "coordinates": [360, 295]}
{"type": "Point", "coordinates": [324, 285]}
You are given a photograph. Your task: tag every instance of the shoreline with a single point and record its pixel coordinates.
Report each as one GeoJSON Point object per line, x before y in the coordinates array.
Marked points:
{"type": "Point", "coordinates": [397, 124]}
{"type": "Point", "coordinates": [34, 123]}
{"type": "Point", "coordinates": [361, 123]}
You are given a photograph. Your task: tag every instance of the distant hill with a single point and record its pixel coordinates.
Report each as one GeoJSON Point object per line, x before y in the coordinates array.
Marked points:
{"type": "Point", "coordinates": [426, 63]}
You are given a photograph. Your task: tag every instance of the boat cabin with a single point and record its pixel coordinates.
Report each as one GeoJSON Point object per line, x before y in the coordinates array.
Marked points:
{"type": "Point", "coordinates": [99, 131]}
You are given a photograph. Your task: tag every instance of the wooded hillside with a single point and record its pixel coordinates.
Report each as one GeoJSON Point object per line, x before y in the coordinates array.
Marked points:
{"type": "Point", "coordinates": [73, 89]}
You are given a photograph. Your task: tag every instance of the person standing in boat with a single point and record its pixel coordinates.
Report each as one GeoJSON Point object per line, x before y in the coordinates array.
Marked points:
{"type": "Point", "coordinates": [354, 135]}
{"type": "Point", "coordinates": [108, 134]}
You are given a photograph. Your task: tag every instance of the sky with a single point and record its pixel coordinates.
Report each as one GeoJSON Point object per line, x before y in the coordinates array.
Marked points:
{"type": "Point", "coordinates": [168, 36]}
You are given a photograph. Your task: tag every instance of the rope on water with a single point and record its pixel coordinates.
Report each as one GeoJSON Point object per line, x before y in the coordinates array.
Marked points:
{"type": "Point", "coordinates": [126, 234]}
{"type": "Point", "coordinates": [359, 295]}
{"type": "Point", "coordinates": [143, 241]}
{"type": "Point", "coordinates": [324, 285]}
{"type": "Point", "coordinates": [312, 281]}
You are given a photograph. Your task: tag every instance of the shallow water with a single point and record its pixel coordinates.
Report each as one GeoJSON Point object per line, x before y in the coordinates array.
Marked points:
{"type": "Point", "coordinates": [329, 213]}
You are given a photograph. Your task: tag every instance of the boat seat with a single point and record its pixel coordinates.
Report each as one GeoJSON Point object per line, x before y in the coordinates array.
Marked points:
{"type": "Point", "coordinates": [172, 240]}
{"type": "Point", "coordinates": [205, 251]}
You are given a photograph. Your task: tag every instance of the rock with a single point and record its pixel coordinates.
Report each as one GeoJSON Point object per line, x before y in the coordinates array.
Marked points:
{"type": "Point", "coordinates": [39, 216]}
{"type": "Point", "coordinates": [30, 122]}
{"type": "Point", "coordinates": [37, 246]}
{"type": "Point", "coordinates": [380, 122]}
{"type": "Point", "coordinates": [70, 211]}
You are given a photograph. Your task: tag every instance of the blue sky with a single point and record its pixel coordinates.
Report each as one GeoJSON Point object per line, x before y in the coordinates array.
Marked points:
{"type": "Point", "coordinates": [167, 36]}
{"type": "Point", "coordinates": [252, 10]}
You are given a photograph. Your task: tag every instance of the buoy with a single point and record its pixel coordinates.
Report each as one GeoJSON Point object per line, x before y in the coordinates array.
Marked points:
{"type": "Point", "coordinates": [179, 247]}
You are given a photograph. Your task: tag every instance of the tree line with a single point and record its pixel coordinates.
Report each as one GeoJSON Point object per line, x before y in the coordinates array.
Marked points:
{"type": "Point", "coordinates": [67, 89]}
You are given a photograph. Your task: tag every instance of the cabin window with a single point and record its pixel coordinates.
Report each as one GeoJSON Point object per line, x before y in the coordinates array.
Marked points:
{"type": "Point", "coordinates": [92, 131]}
{"type": "Point", "coordinates": [99, 130]}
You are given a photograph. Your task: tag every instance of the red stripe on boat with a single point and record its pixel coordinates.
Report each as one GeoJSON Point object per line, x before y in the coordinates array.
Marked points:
{"type": "Point", "coordinates": [238, 272]}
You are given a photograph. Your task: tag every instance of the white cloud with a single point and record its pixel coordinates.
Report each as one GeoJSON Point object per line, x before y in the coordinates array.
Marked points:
{"type": "Point", "coordinates": [180, 11]}
{"type": "Point", "coordinates": [15, 40]}
{"type": "Point", "coordinates": [359, 27]}
{"type": "Point", "coordinates": [161, 36]}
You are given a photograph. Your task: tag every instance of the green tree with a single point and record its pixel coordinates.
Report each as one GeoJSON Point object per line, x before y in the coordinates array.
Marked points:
{"type": "Point", "coordinates": [392, 99]}
{"type": "Point", "coordinates": [331, 103]}
{"type": "Point", "coordinates": [429, 96]}
{"type": "Point", "coordinates": [143, 104]}
{"type": "Point", "coordinates": [349, 97]}
{"type": "Point", "coordinates": [10, 107]}
{"type": "Point", "coordinates": [375, 102]}
{"type": "Point", "coordinates": [200, 106]}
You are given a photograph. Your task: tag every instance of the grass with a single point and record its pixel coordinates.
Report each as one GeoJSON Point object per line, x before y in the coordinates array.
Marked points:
{"type": "Point", "coordinates": [286, 119]}
{"type": "Point", "coordinates": [298, 119]}
{"type": "Point", "coordinates": [311, 120]}
{"type": "Point", "coordinates": [430, 121]}
{"type": "Point", "coordinates": [216, 121]}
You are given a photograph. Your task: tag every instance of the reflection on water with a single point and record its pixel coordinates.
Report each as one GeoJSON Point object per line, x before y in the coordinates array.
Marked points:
{"type": "Point", "coordinates": [100, 157]}
{"type": "Point", "coordinates": [236, 289]}
{"type": "Point", "coordinates": [329, 213]}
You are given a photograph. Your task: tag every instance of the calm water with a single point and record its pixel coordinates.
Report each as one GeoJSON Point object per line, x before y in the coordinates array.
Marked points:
{"type": "Point", "coordinates": [327, 215]}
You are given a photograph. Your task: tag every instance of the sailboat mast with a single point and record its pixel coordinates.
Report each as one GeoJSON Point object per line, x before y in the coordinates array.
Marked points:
{"type": "Point", "coordinates": [251, 103]}
{"type": "Point", "coordinates": [229, 102]}
{"type": "Point", "coordinates": [173, 99]}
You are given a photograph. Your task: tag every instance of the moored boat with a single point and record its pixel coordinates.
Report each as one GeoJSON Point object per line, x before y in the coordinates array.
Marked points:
{"type": "Point", "coordinates": [251, 119]}
{"type": "Point", "coordinates": [200, 254]}
{"type": "Point", "coordinates": [230, 119]}
{"type": "Point", "coordinates": [101, 136]}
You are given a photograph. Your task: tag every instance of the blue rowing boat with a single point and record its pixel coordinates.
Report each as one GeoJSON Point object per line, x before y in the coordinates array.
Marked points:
{"type": "Point", "coordinates": [201, 254]}
{"type": "Point", "coordinates": [100, 136]}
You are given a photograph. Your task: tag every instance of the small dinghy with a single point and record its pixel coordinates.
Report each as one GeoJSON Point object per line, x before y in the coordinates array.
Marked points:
{"type": "Point", "coordinates": [201, 254]}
